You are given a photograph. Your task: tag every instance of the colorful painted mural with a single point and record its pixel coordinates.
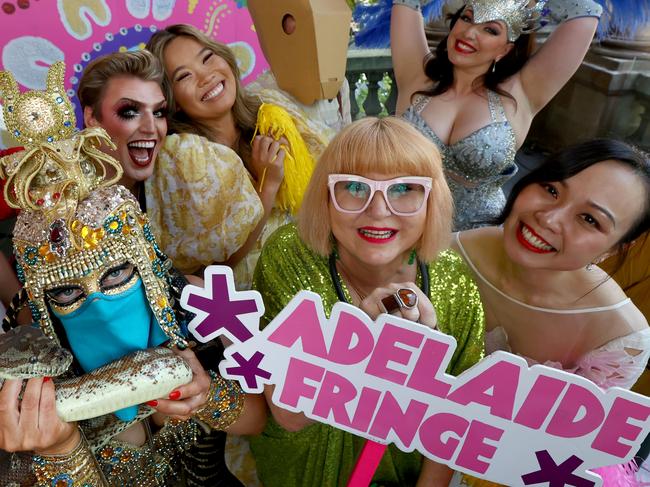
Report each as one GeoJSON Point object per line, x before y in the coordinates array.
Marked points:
{"type": "Point", "coordinates": [36, 33]}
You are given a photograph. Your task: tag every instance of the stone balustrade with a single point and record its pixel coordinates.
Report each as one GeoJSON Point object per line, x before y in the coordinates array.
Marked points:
{"type": "Point", "coordinates": [609, 96]}
{"type": "Point", "coordinates": [375, 64]}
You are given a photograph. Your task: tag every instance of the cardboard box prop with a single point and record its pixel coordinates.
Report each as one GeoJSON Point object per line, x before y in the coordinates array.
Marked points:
{"type": "Point", "coordinates": [306, 43]}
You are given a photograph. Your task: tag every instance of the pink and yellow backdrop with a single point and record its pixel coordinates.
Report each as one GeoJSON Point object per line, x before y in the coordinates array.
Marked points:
{"type": "Point", "coordinates": [36, 33]}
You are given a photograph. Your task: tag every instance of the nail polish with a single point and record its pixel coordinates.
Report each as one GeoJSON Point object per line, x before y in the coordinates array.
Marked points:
{"type": "Point", "coordinates": [153, 404]}
{"type": "Point", "coordinates": [47, 379]}
{"type": "Point", "coordinates": [175, 395]}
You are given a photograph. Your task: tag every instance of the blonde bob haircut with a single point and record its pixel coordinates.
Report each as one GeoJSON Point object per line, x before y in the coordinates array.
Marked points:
{"type": "Point", "coordinates": [387, 146]}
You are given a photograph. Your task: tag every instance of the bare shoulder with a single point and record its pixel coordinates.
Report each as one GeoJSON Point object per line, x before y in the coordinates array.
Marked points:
{"type": "Point", "coordinates": [419, 83]}
{"type": "Point", "coordinates": [476, 240]}
{"type": "Point", "coordinates": [605, 292]}
{"type": "Point", "coordinates": [482, 248]}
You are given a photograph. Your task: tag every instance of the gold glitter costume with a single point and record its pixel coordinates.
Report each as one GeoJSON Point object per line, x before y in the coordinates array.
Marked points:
{"type": "Point", "coordinates": [75, 227]}
{"type": "Point", "coordinates": [320, 454]}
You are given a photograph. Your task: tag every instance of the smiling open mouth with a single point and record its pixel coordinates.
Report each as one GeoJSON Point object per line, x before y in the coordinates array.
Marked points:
{"type": "Point", "coordinates": [464, 47]}
{"type": "Point", "coordinates": [213, 93]}
{"type": "Point", "coordinates": [377, 235]}
{"type": "Point", "coordinates": [141, 152]}
{"type": "Point", "coordinates": [532, 241]}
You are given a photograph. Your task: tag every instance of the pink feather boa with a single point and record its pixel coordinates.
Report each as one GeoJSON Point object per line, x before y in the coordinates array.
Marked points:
{"type": "Point", "coordinates": [623, 475]}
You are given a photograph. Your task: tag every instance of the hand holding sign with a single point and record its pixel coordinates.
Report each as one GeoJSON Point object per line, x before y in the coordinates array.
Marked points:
{"type": "Point", "coordinates": [421, 311]}
{"type": "Point", "coordinates": [385, 381]}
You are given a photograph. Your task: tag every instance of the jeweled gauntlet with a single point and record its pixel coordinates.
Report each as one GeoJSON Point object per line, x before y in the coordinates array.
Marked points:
{"type": "Point", "coordinates": [75, 468]}
{"type": "Point", "coordinates": [562, 10]}
{"type": "Point", "coordinates": [414, 4]}
{"type": "Point", "coordinates": [224, 405]}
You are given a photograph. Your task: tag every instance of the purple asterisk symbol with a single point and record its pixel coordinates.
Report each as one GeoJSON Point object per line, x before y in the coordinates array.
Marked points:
{"type": "Point", "coordinates": [556, 475]}
{"type": "Point", "coordinates": [249, 369]}
{"type": "Point", "coordinates": [221, 312]}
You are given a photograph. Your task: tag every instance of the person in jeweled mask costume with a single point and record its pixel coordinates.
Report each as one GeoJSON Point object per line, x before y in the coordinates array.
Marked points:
{"type": "Point", "coordinates": [98, 284]}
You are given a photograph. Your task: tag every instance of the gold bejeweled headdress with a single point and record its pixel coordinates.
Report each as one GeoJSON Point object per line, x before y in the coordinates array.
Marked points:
{"type": "Point", "coordinates": [58, 166]}
{"type": "Point", "coordinates": [74, 220]}
{"type": "Point", "coordinates": [518, 17]}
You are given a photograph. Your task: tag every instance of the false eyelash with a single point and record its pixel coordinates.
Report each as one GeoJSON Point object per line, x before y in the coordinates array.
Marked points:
{"type": "Point", "coordinates": [63, 305]}
{"type": "Point", "coordinates": [123, 111]}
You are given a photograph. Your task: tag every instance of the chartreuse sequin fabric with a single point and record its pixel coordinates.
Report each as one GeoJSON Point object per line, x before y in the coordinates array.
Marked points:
{"type": "Point", "coordinates": [320, 455]}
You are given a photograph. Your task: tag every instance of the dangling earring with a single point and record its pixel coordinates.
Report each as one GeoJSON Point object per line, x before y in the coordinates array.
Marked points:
{"type": "Point", "coordinates": [494, 66]}
{"type": "Point", "coordinates": [412, 257]}
{"type": "Point", "coordinates": [590, 266]}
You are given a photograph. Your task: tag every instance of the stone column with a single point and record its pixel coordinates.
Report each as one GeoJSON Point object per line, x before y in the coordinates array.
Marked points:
{"type": "Point", "coordinates": [635, 48]}
{"type": "Point", "coordinates": [609, 96]}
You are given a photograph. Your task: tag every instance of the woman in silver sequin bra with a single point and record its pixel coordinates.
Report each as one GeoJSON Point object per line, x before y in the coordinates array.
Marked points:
{"type": "Point", "coordinates": [477, 95]}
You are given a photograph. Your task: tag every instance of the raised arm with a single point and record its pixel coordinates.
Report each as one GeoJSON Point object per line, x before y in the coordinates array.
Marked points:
{"type": "Point", "coordinates": [559, 58]}
{"type": "Point", "coordinates": [408, 45]}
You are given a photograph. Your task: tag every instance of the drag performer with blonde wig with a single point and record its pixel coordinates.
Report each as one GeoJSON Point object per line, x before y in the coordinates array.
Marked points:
{"type": "Point", "coordinates": [99, 286]}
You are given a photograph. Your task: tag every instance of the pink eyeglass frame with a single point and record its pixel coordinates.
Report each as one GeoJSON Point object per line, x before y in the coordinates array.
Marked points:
{"type": "Point", "coordinates": [380, 186]}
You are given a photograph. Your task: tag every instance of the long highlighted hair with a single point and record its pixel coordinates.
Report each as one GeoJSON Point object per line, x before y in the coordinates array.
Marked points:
{"type": "Point", "coordinates": [244, 109]}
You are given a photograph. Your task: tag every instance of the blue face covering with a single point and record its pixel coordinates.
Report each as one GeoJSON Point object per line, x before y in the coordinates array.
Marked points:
{"type": "Point", "coordinates": [106, 328]}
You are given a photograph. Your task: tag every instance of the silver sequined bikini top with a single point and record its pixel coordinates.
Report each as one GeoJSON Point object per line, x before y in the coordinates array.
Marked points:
{"type": "Point", "coordinates": [486, 156]}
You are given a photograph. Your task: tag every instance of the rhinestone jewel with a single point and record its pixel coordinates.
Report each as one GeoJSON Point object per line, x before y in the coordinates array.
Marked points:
{"type": "Point", "coordinates": [57, 233]}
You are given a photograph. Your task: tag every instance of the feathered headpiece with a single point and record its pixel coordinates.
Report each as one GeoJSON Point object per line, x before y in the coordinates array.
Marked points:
{"type": "Point", "coordinates": [372, 21]}
{"type": "Point", "coordinates": [372, 18]}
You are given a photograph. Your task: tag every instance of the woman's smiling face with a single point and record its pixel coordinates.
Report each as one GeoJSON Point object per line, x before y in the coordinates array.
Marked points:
{"type": "Point", "coordinates": [565, 225]}
{"type": "Point", "coordinates": [203, 84]}
{"type": "Point", "coordinates": [470, 44]}
{"type": "Point", "coordinates": [376, 236]}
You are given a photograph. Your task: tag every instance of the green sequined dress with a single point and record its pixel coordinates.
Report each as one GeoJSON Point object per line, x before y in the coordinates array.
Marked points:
{"type": "Point", "coordinates": [320, 455]}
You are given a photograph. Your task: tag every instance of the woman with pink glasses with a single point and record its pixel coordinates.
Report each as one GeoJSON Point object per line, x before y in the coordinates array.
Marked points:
{"type": "Point", "coordinates": [371, 230]}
